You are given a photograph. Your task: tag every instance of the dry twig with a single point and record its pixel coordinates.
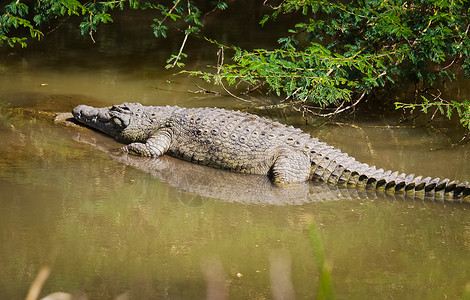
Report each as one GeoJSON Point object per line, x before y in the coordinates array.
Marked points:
{"type": "Point", "coordinates": [220, 62]}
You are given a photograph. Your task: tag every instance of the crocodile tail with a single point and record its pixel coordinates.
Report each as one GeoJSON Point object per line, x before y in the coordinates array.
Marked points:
{"type": "Point", "coordinates": [332, 166]}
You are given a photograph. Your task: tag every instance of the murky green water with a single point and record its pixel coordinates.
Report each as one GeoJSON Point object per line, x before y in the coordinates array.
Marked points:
{"type": "Point", "coordinates": [110, 225]}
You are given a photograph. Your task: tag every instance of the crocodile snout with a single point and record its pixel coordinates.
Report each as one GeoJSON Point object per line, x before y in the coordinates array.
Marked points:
{"type": "Point", "coordinates": [83, 112]}
{"type": "Point", "coordinates": [77, 111]}
{"type": "Point", "coordinates": [88, 114]}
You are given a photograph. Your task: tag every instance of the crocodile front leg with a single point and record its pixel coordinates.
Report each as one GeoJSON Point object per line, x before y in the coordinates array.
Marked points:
{"type": "Point", "coordinates": [155, 146]}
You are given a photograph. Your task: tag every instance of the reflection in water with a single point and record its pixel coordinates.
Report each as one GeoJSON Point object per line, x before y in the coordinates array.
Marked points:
{"type": "Point", "coordinates": [280, 274]}
{"type": "Point", "coordinates": [215, 279]}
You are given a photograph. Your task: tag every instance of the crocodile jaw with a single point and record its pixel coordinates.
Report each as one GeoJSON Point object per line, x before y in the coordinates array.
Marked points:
{"type": "Point", "coordinates": [99, 118]}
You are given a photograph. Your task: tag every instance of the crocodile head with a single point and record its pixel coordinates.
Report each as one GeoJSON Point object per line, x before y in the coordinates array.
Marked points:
{"type": "Point", "coordinates": [126, 122]}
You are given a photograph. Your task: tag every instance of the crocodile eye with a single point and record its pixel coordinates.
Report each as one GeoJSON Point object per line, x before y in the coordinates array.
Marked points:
{"type": "Point", "coordinates": [119, 107]}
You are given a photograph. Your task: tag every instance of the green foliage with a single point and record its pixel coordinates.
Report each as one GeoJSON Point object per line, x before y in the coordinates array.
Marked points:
{"type": "Point", "coordinates": [37, 14]}
{"type": "Point", "coordinates": [447, 108]}
{"type": "Point", "coordinates": [336, 54]}
{"type": "Point", "coordinates": [174, 60]}
{"type": "Point", "coordinates": [343, 49]}
{"type": "Point", "coordinates": [315, 73]}
{"type": "Point", "coordinates": [34, 15]}
{"type": "Point", "coordinates": [14, 18]}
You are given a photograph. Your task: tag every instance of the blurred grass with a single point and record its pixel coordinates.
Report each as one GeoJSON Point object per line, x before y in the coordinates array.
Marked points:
{"type": "Point", "coordinates": [325, 289]}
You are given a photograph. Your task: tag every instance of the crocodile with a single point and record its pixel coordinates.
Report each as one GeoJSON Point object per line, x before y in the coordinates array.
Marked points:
{"type": "Point", "coordinates": [247, 143]}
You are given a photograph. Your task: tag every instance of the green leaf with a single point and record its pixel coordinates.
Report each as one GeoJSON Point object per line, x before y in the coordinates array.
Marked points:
{"type": "Point", "coordinates": [159, 30]}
